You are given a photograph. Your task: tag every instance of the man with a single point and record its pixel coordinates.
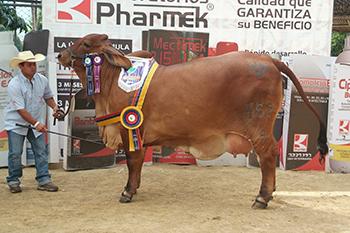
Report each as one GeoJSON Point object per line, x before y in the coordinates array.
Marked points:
{"type": "Point", "coordinates": [28, 92]}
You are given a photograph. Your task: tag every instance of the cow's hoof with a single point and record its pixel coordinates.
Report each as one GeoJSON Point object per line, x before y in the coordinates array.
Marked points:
{"type": "Point", "coordinates": [125, 197]}
{"type": "Point", "coordinates": [259, 203]}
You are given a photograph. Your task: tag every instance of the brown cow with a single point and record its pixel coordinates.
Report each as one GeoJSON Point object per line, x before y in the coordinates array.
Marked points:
{"type": "Point", "coordinates": [207, 106]}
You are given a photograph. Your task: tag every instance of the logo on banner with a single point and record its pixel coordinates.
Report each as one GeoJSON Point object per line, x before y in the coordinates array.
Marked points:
{"type": "Point", "coordinates": [77, 11]}
{"type": "Point", "coordinates": [344, 84]}
{"type": "Point", "coordinates": [344, 127]}
{"type": "Point", "coordinates": [166, 13]}
{"type": "Point", "coordinates": [300, 142]}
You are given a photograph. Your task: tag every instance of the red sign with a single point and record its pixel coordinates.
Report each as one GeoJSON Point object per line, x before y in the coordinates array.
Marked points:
{"type": "Point", "coordinates": [74, 11]}
{"type": "Point", "coordinates": [344, 127]}
{"type": "Point", "coordinates": [300, 142]}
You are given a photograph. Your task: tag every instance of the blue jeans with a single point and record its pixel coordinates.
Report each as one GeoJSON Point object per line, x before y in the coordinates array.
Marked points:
{"type": "Point", "coordinates": [15, 142]}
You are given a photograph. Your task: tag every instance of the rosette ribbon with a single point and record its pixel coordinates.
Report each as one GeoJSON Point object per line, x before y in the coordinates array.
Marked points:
{"type": "Point", "coordinates": [89, 74]}
{"type": "Point", "coordinates": [97, 72]}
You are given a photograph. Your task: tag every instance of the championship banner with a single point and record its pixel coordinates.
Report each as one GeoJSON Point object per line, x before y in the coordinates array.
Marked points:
{"type": "Point", "coordinates": [180, 30]}
{"type": "Point", "coordinates": [339, 120]}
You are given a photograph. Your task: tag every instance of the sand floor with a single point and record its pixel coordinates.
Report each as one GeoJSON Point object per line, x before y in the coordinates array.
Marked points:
{"type": "Point", "coordinates": [175, 198]}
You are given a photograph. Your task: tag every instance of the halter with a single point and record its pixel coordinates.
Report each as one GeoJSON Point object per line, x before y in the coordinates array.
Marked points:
{"type": "Point", "coordinates": [73, 56]}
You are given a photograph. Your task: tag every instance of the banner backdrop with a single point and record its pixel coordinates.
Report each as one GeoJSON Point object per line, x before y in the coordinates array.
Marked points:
{"type": "Point", "coordinates": [263, 26]}
{"type": "Point", "coordinates": [8, 50]}
{"type": "Point", "coordinates": [300, 126]}
{"type": "Point", "coordinates": [339, 123]}
{"type": "Point", "coordinates": [178, 30]}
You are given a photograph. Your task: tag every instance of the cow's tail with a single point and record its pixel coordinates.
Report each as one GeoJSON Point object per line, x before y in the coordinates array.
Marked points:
{"type": "Point", "coordinates": [322, 136]}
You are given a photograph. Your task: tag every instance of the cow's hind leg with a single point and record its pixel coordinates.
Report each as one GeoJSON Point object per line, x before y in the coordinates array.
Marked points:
{"type": "Point", "coordinates": [134, 163]}
{"type": "Point", "coordinates": [267, 151]}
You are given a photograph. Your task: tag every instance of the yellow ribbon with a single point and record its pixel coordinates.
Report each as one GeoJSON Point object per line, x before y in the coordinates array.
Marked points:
{"type": "Point", "coordinates": [109, 121]}
{"type": "Point", "coordinates": [149, 77]}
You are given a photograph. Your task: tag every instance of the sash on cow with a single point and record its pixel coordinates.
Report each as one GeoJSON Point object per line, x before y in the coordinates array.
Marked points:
{"type": "Point", "coordinates": [133, 78]}
{"type": "Point", "coordinates": [137, 77]}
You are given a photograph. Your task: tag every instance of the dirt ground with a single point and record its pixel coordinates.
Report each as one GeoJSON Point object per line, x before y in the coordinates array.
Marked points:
{"type": "Point", "coordinates": [175, 198]}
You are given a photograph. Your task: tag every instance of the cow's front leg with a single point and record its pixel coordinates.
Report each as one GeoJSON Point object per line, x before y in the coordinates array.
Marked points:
{"type": "Point", "coordinates": [267, 153]}
{"type": "Point", "coordinates": [134, 163]}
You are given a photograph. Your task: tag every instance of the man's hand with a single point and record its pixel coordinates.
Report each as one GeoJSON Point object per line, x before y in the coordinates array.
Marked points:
{"type": "Point", "coordinates": [41, 128]}
{"type": "Point", "coordinates": [57, 113]}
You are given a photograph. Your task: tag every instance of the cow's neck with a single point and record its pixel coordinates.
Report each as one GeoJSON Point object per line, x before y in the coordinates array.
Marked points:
{"type": "Point", "coordinates": [111, 99]}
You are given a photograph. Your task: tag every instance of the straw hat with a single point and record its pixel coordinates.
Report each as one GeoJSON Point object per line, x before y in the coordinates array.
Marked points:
{"type": "Point", "coordinates": [26, 56]}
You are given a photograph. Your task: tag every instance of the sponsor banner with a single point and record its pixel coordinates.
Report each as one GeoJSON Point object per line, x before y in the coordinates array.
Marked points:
{"type": "Point", "coordinates": [4, 80]}
{"type": "Point", "coordinates": [64, 85]}
{"type": "Point", "coordinates": [5, 76]}
{"type": "Point", "coordinates": [61, 43]}
{"type": "Point", "coordinates": [300, 126]}
{"type": "Point", "coordinates": [301, 136]}
{"type": "Point", "coordinates": [339, 120]}
{"type": "Point", "coordinates": [185, 29]}
{"type": "Point", "coordinates": [172, 47]}
{"type": "Point", "coordinates": [257, 26]}
{"type": "Point", "coordinates": [340, 153]}
{"type": "Point", "coordinates": [8, 50]}
{"type": "Point", "coordinates": [65, 92]}
{"type": "Point", "coordinates": [3, 146]}
{"type": "Point", "coordinates": [83, 154]}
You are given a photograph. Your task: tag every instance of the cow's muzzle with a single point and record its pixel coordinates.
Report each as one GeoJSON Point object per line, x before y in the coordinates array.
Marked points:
{"type": "Point", "coordinates": [68, 57]}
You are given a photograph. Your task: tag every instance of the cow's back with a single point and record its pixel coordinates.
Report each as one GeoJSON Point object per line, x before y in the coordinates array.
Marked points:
{"type": "Point", "coordinates": [211, 96]}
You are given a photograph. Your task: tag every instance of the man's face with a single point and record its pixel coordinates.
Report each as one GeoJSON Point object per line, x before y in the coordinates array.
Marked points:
{"type": "Point", "coordinates": [28, 69]}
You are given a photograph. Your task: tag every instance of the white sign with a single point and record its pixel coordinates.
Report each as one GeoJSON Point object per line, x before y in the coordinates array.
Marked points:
{"type": "Point", "coordinates": [263, 26]}
{"type": "Point", "coordinates": [8, 51]}
{"type": "Point", "coordinates": [339, 120]}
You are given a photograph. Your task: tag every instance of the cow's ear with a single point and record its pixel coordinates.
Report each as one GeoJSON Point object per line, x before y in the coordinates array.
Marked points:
{"type": "Point", "coordinates": [116, 58]}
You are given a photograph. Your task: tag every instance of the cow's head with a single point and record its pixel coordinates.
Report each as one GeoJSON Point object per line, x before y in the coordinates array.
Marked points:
{"type": "Point", "coordinates": [109, 99]}
{"type": "Point", "coordinates": [92, 44]}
